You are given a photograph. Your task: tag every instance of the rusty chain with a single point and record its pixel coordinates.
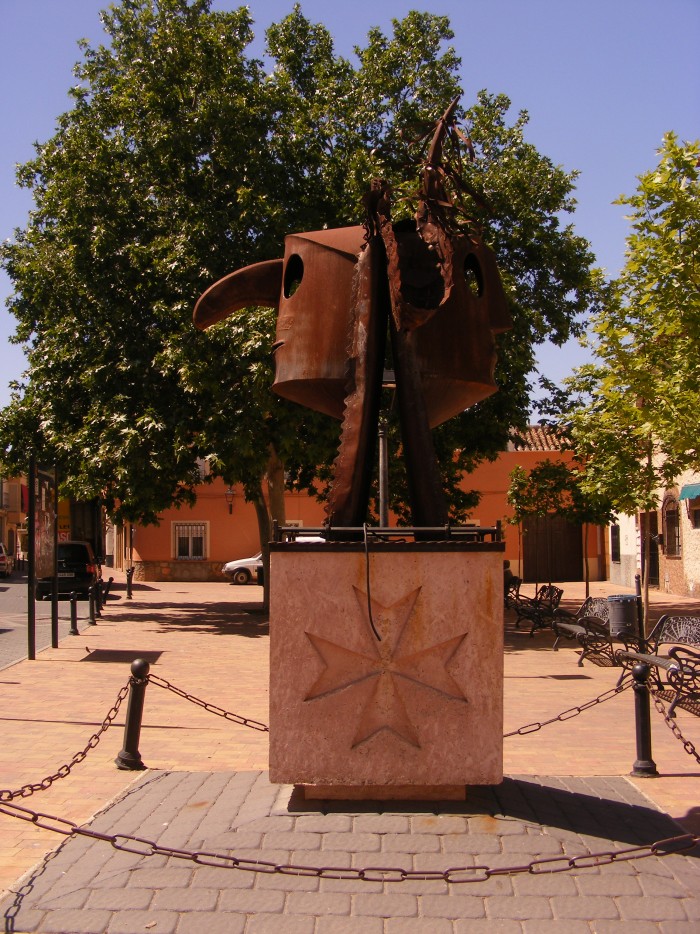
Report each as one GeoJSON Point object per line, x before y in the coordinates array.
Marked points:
{"type": "Point", "coordinates": [262, 727]}
{"type": "Point", "coordinates": [459, 874]}
{"type": "Point", "coordinates": [25, 791]}
{"type": "Point", "coordinates": [29, 789]}
{"type": "Point", "coordinates": [673, 725]}
{"type": "Point", "coordinates": [141, 846]}
{"type": "Point", "coordinates": [571, 712]}
{"type": "Point", "coordinates": [212, 708]}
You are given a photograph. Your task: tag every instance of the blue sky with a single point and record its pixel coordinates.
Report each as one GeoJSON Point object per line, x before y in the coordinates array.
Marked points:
{"type": "Point", "coordinates": [602, 80]}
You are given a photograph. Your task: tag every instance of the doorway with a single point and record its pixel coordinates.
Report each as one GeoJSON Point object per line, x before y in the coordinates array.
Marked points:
{"type": "Point", "coordinates": [552, 550]}
{"type": "Point", "coordinates": [649, 526]}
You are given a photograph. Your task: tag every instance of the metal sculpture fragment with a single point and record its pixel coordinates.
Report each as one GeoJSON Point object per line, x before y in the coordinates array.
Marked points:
{"type": "Point", "coordinates": [432, 286]}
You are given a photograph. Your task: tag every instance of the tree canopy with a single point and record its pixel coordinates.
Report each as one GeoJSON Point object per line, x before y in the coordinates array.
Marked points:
{"type": "Point", "coordinates": [184, 158]}
{"type": "Point", "coordinates": [631, 414]}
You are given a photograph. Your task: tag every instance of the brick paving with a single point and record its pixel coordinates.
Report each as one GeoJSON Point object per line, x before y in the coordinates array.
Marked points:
{"type": "Point", "coordinates": [568, 792]}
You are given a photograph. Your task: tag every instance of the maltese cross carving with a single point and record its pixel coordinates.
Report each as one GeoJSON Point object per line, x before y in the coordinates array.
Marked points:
{"type": "Point", "coordinates": [405, 653]}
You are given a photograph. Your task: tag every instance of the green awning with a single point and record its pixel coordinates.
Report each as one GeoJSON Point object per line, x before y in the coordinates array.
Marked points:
{"type": "Point", "coordinates": [690, 491]}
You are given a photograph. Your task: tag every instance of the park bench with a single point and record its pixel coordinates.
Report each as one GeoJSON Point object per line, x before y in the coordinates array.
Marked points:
{"type": "Point", "coordinates": [538, 610]}
{"type": "Point", "coordinates": [511, 593]}
{"type": "Point", "coordinates": [678, 672]}
{"type": "Point", "coordinates": [589, 627]}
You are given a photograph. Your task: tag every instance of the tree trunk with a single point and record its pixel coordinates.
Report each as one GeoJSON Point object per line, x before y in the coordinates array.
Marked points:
{"type": "Point", "coordinates": [256, 497]}
{"type": "Point", "coordinates": [647, 550]}
{"type": "Point", "coordinates": [646, 545]}
{"type": "Point", "coordinates": [585, 560]}
{"type": "Point", "coordinates": [275, 487]}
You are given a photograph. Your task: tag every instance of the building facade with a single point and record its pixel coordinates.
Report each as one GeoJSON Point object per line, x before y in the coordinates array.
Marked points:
{"type": "Point", "coordinates": [193, 543]}
{"type": "Point", "coordinates": [12, 515]}
{"type": "Point", "coordinates": [673, 531]}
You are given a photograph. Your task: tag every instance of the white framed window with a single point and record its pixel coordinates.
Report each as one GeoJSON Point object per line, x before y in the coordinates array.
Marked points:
{"type": "Point", "coordinates": [190, 541]}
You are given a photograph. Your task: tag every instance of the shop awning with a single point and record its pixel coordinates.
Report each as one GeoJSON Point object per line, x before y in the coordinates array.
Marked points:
{"type": "Point", "coordinates": [690, 491]}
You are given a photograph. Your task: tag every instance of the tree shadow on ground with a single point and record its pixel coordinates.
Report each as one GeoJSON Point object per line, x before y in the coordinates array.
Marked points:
{"type": "Point", "coordinates": [211, 618]}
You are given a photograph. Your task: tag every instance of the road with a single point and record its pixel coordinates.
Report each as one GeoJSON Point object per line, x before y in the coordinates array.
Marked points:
{"type": "Point", "coordinates": [13, 619]}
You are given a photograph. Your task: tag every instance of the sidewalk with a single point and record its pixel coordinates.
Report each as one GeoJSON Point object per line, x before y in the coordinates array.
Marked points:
{"type": "Point", "coordinates": [568, 792]}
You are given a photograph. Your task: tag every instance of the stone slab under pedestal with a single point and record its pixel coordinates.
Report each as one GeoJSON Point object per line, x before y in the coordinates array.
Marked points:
{"type": "Point", "coordinates": [399, 694]}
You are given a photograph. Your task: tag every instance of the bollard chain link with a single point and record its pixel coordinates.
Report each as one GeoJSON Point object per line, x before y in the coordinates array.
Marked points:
{"type": "Point", "coordinates": [673, 725]}
{"type": "Point", "coordinates": [262, 727]}
{"type": "Point", "coordinates": [205, 705]}
{"type": "Point", "coordinates": [141, 846]}
{"type": "Point", "coordinates": [571, 712]}
{"type": "Point", "coordinates": [25, 791]}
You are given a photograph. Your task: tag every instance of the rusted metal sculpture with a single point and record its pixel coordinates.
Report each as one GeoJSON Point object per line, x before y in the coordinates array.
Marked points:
{"type": "Point", "coordinates": [433, 287]}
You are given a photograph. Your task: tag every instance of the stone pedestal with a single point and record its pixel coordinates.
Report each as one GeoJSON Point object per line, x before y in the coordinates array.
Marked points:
{"type": "Point", "coordinates": [386, 670]}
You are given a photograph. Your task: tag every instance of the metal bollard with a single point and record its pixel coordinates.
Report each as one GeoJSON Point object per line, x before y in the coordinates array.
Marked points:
{"type": "Point", "coordinates": [91, 606]}
{"type": "Point", "coordinates": [129, 759]}
{"type": "Point", "coordinates": [73, 631]}
{"type": "Point", "coordinates": [97, 590]}
{"type": "Point", "coordinates": [106, 589]}
{"type": "Point", "coordinates": [644, 766]}
{"type": "Point", "coordinates": [129, 582]}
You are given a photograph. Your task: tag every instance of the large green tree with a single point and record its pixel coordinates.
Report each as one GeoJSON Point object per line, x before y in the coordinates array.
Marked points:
{"type": "Point", "coordinates": [184, 158]}
{"type": "Point", "coordinates": [631, 413]}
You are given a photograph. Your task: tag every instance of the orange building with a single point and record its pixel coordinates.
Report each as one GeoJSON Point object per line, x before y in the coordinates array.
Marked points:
{"type": "Point", "coordinates": [545, 549]}
{"type": "Point", "coordinates": [193, 543]}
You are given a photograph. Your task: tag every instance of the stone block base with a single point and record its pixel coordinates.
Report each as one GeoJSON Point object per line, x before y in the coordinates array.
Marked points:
{"type": "Point", "coordinates": [399, 686]}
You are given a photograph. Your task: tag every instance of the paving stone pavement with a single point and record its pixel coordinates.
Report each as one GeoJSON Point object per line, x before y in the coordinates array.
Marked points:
{"type": "Point", "coordinates": [87, 885]}
{"type": "Point", "coordinates": [206, 789]}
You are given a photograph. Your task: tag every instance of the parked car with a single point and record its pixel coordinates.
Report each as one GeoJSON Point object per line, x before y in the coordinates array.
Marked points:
{"type": "Point", "coordinates": [7, 563]}
{"type": "Point", "coordinates": [244, 570]}
{"type": "Point", "coordinates": [78, 570]}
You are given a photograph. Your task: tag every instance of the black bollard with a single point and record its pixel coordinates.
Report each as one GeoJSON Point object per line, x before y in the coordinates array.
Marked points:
{"type": "Point", "coordinates": [644, 766]}
{"type": "Point", "coordinates": [73, 631]}
{"type": "Point", "coordinates": [129, 582]}
{"type": "Point", "coordinates": [105, 590]}
{"type": "Point", "coordinates": [129, 759]}
{"type": "Point", "coordinates": [91, 606]}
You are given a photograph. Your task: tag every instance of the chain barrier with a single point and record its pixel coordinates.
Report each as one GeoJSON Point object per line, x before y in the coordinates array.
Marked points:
{"type": "Point", "coordinates": [456, 874]}
{"type": "Point", "coordinates": [212, 708]}
{"type": "Point", "coordinates": [571, 712]}
{"type": "Point", "coordinates": [141, 846]}
{"type": "Point", "coordinates": [25, 791]}
{"type": "Point", "coordinates": [262, 727]}
{"type": "Point", "coordinates": [673, 725]}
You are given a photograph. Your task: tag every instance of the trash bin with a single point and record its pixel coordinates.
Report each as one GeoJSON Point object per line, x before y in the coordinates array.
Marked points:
{"type": "Point", "coordinates": [622, 614]}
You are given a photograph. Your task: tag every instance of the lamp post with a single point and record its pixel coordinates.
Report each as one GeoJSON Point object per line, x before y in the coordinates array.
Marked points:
{"type": "Point", "coordinates": [229, 500]}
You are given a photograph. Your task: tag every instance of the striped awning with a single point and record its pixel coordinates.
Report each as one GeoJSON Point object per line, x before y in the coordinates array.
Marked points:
{"type": "Point", "coordinates": [690, 491]}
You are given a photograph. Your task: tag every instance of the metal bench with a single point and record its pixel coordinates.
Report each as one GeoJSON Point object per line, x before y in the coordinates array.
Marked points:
{"type": "Point", "coordinates": [588, 627]}
{"type": "Point", "coordinates": [538, 610]}
{"type": "Point", "coordinates": [677, 673]}
{"type": "Point", "coordinates": [511, 593]}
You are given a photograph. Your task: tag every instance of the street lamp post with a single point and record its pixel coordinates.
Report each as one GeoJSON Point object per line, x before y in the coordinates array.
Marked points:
{"type": "Point", "coordinates": [229, 500]}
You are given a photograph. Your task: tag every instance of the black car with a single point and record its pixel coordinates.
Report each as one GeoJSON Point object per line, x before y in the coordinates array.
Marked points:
{"type": "Point", "coordinates": [78, 570]}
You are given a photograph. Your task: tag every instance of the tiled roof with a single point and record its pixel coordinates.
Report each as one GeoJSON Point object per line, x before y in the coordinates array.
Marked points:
{"type": "Point", "coordinates": [536, 438]}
